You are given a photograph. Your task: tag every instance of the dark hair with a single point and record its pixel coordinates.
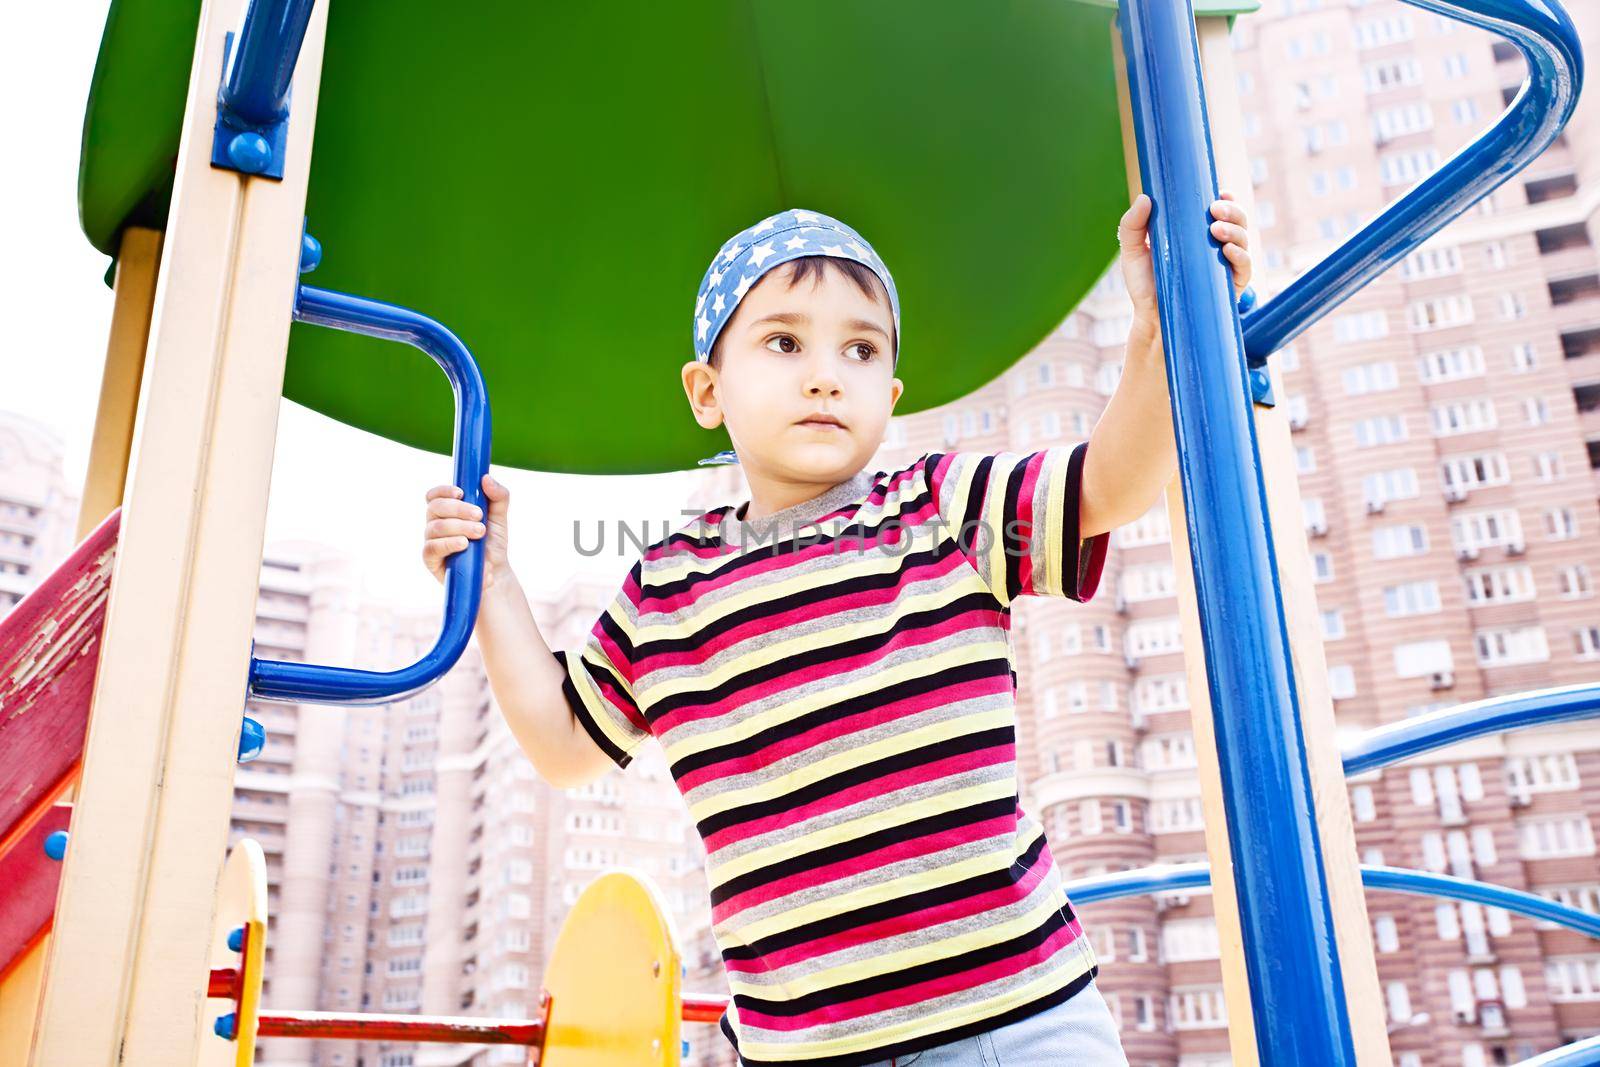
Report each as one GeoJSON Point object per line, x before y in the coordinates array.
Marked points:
{"type": "Point", "coordinates": [814, 267]}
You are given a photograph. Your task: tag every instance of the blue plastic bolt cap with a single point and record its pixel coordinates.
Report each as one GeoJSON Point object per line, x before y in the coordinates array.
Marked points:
{"type": "Point", "coordinates": [236, 939]}
{"type": "Point", "coordinates": [1247, 299]}
{"type": "Point", "coordinates": [1260, 384]}
{"type": "Point", "coordinates": [310, 253]}
{"type": "Point", "coordinates": [226, 1026]}
{"type": "Point", "coordinates": [55, 845]}
{"type": "Point", "coordinates": [250, 152]}
{"type": "Point", "coordinates": [252, 739]}
{"type": "Point", "coordinates": [685, 1053]}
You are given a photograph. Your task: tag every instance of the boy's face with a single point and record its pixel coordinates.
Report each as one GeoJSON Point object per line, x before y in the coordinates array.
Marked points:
{"type": "Point", "coordinates": [790, 354]}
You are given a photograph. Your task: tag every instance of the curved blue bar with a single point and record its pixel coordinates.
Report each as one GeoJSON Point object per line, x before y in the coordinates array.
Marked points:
{"type": "Point", "coordinates": [1291, 957]}
{"type": "Point", "coordinates": [1172, 877]}
{"type": "Point", "coordinates": [1401, 740]}
{"type": "Point", "coordinates": [1585, 1053]}
{"type": "Point", "coordinates": [287, 681]}
{"type": "Point", "coordinates": [256, 90]}
{"type": "Point", "coordinates": [1544, 33]}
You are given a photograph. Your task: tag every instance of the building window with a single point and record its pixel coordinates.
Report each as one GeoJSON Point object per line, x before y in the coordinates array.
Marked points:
{"type": "Point", "coordinates": [1341, 682]}
{"type": "Point", "coordinates": [1556, 836]}
{"type": "Point", "coordinates": [1560, 524]}
{"type": "Point", "coordinates": [1441, 312]}
{"type": "Point", "coordinates": [1511, 646]}
{"type": "Point", "coordinates": [1361, 804]}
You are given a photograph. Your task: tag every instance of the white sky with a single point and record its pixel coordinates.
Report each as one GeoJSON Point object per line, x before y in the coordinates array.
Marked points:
{"type": "Point", "coordinates": [331, 483]}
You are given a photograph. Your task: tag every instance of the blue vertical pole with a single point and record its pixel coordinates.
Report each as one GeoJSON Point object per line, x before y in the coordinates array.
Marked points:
{"type": "Point", "coordinates": [1291, 957]}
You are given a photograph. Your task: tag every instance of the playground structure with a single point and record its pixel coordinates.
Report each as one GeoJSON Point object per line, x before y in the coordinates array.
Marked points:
{"type": "Point", "coordinates": [151, 616]}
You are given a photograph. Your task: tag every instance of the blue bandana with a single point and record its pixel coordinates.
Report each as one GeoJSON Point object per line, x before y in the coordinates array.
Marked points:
{"type": "Point", "coordinates": [747, 256]}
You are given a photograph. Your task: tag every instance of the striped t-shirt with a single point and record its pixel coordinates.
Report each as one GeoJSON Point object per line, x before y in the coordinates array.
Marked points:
{"type": "Point", "coordinates": [834, 692]}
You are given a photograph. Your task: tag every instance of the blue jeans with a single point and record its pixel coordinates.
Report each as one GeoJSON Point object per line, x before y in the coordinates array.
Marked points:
{"type": "Point", "coordinates": [1077, 1033]}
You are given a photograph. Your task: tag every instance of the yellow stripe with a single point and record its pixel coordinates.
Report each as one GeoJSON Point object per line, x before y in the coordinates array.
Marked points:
{"type": "Point", "coordinates": [877, 893]}
{"type": "Point", "coordinates": [973, 938]}
{"type": "Point", "coordinates": [851, 565]}
{"type": "Point", "coordinates": [741, 729]}
{"type": "Point", "coordinates": [721, 873]}
{"type": "Point", "coordinates": [1073, 965]}
{"type": "Point", "coordinates": [1055, 522]}
{"type": "Point", "coordinates": [994, 516]}
{"type": "Point", "coordinates": [601, 711]}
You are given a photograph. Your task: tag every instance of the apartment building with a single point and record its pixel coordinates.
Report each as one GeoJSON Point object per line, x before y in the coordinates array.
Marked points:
{"type": "Point", "coordinates": [38, 509]}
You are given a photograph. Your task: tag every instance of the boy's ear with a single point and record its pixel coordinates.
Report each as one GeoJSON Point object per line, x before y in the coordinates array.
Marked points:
{"type": "Point", "coordinates": [896, 388]}
{"type": "Point", "coordinates": [700, 386]}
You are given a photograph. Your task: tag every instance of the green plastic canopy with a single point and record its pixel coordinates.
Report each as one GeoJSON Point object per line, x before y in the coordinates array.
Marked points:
{"type": "Point", "coordinates": [550, 180]}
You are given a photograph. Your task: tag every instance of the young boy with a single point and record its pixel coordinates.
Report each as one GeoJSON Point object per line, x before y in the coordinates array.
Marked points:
{"type": "Point", "coordinates": [827, 668]}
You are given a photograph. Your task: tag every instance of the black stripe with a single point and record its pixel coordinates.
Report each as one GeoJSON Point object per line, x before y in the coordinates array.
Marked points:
{"type": "Point", "coordinates": [1071, 565]}
{"type": "Point", "coordinates": [849, 586]}
{"type": "Point", "coordinates": [965, 672]}
{"type": "Point", "coordinates": [817, 539]}
{"type": "Point", "coordinates": [581, 711]}
{"type": "Point", "coordinates": [843, 922]}
{"type": "Point", "coordinates": [899, 760]}
{"type": "Point", "coordinates": [944, 820]}
{"type": "Point", "coordinates": [821, 656]}
{"type": "Point", "coordinates": [885, 983]}
{"type": "Point", "coordinates": [925, 1041]}
{"type": "Point", "coordinates": [1013, 546]}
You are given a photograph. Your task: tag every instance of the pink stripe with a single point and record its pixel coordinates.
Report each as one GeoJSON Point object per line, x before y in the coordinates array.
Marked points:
{"type": "Point", "coordinates": [798, 615]}
{"type": "Point", "coordinates": [742, 698]}
{"type": "Point", "coordinates": [890, 535]}
{"type": "Point", "coordinates": [794, 819]}
{"type": "Point", "coordinates": [884, 929]}
{"type": "Point", "coordinates": [920, 992]}
{"type": "Point", "coordinates": [1030, 480]}
{"type": "Point", "coordinates": [832, 872]}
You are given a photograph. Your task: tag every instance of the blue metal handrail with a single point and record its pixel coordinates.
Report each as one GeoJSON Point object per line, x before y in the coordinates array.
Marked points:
{"type": "Point", "coordinates": [251, 129]}
{"type": "Point", "coordinates": [1290, 956]}
{"type": "Point", "coordinates": [1397, 741]}
{"type": "Point", "coordinates": [1585, 1053]}
{"type": "Point", "coordinates": [289, 681]}
{"type": "Point", "coordinates": [255, 91]}
{"type": "Point", "coordinates": [1544, 33]}
{"type": "Point", "coordinates": [1167, 878]}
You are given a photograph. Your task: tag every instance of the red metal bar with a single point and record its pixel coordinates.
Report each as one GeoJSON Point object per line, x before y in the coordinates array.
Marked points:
{"type": "Point", "coordinates": [703, 1007]}
{"type": "Point", "coordinates": [224, 982]}
{"type": "Point", "coordinates": [353, 1026]}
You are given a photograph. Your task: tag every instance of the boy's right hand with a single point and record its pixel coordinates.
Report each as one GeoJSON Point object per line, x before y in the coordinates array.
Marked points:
{"type": "Point", "coordinates": [453, 524]}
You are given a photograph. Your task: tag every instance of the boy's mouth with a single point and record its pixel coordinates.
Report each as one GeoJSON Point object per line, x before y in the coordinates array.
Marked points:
{"type": "Point", "coordinates": [822, 422]}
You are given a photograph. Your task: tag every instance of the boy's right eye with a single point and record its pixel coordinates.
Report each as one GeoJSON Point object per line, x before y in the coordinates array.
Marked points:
{"type": "Point", "coordinates": [783, 337]}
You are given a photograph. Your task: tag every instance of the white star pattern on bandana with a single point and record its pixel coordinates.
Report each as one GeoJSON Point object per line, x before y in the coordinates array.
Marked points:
{"type": "Point", "coordinates": [741, 262]}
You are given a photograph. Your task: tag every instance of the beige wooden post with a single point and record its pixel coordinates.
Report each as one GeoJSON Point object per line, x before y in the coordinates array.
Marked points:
{"type": "Point", "coordinates": [128, 961]}
{"type": "Point", "coordinates": [138, 256]}
{"type": "Point", "coordinates": [1335, 827]}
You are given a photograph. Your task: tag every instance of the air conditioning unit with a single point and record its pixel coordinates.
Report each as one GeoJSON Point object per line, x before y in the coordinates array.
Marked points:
{"type": "Point", "coordinates": [1519, 800]}
{"type": "Point", "coordinates": [1121, 604]}
{"type": "Point", "coordinates": [1297, 421]}
{"type": "Point", "coordinates": [1132, 662]}
{"type": "Point", "coordinates": [1317, 529]}
{"type": "Point", "coordinates": [1375, 507]}
{"type": "Point", "coordinates": [1465, 1016]}
{"type": "Point", "coordinates": [1442, 680]}
{"type": "Point", "coordinates": [1466, 553]}
{"type": "Point", "coordinates": [1455, 494]}
{"type": "Point", "coordinates": [1516, 548]}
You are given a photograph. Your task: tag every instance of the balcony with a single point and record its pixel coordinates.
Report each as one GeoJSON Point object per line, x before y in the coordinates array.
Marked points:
{"type": "Point", "coordinates": [1551, 187]}
{"type": "Point", "coordinates": [1574, 288]}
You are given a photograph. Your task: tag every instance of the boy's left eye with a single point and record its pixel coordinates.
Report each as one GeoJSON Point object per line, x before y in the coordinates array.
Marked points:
{"type": "Point", "coordinates": [870, 351]}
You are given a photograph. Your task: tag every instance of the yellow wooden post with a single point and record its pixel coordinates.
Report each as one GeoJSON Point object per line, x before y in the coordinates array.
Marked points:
{"type": "Point", "coordinates": [138, 256]}
{"type": "Point", "coordinates": [1335, 827]}
{"type": "Point", "coordinates": [127, 967]}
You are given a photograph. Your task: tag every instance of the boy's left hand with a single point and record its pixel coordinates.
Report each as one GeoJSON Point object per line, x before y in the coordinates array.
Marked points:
{"type": "Point", "coordinates": [1138, 270]}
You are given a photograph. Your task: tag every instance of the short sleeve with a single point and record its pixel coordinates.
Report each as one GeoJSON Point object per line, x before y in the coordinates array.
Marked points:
{"type": "Point", "coordinates": [599, 678]}
{"type": "Point", "coordinates": [1015, 517]}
